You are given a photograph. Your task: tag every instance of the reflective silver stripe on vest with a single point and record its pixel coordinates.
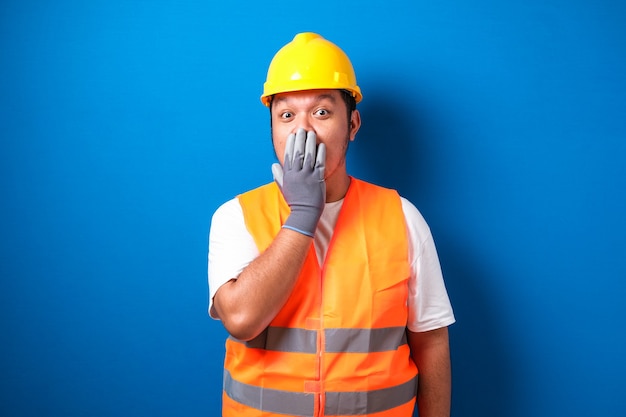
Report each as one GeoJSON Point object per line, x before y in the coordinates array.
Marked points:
{"type": "Point", "coordinates": [303, 404]}
{"type": "Point", "coordinates": [369, 402]}
{"type": "Point", "coordinates": [284, 339]}
{"type": "Point", "coordinates": [270, 400]}
{"type": "Point", "coordinates": [365, 340]}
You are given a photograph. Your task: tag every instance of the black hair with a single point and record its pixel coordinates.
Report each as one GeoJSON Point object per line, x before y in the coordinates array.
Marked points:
{"type": "Point", "coordinates": [350, 101]}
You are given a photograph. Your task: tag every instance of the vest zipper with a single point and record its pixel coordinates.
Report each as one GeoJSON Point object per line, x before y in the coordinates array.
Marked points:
{"type": "Point", "coordinates": [322, 334]}
{"type": "Point", "coordinates": [321, 338]}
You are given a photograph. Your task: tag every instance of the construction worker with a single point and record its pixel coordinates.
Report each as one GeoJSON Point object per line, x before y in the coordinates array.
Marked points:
{"type": "Point", "coordinates": [330, 287]}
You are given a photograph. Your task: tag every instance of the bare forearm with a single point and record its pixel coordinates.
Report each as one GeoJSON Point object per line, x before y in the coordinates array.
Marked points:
{"type": "Point", "coordinates": [248, 304]}
{"type": "Point", "coordinates": [431, 353]}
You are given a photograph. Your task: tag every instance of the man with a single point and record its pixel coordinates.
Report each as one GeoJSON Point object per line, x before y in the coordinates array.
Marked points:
{"type": "Point", "coordinates": [329, 287]}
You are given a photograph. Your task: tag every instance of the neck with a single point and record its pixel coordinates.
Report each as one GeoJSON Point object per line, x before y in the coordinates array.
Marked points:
{"type": "Point", "coordinates": [336, 188]}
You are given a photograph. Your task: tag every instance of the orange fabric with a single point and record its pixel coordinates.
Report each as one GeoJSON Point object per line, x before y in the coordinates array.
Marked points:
{"type": "Point", "coordinates": [363, 284]}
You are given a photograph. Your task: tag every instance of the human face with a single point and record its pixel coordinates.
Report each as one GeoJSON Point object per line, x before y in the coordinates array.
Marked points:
{"type": "Point", "coordinates": [323, 112]}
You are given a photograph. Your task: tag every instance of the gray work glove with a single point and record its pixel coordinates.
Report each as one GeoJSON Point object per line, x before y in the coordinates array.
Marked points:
{"type": "Point", "coordinates": [301, 180]}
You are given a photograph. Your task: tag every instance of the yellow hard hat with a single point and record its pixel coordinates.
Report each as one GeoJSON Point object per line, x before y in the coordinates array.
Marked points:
{"type": "Point", "coordinates": [309, 62]}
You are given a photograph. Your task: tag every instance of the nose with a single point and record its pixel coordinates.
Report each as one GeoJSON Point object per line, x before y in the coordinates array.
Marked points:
{"type": "Point", "coordinates": [304, 123]}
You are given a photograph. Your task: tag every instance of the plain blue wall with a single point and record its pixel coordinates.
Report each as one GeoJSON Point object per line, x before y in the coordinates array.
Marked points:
{"type": "Point", "coordinates": [124, 124]}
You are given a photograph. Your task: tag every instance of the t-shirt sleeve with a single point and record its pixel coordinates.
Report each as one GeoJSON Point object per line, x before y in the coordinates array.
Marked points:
{"type": "Point", "coordinates": [231, 248]}
{"type": "Point", "coordinates": [428, 302]}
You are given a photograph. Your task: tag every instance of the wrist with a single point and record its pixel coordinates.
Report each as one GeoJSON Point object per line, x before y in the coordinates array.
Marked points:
{"type": "Point", "coordinates": [303, 219]}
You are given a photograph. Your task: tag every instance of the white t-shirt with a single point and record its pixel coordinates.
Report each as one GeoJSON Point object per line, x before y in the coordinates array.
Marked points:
{"type": "Point", "coordinates": [232, 248]}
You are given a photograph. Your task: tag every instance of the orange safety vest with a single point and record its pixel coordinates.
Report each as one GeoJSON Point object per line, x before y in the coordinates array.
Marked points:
{"type": "Point", "coordinates": [338, 347]}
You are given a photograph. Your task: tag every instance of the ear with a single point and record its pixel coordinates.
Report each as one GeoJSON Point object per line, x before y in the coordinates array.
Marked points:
{"type": "Point", "coordinates": [355, 124]}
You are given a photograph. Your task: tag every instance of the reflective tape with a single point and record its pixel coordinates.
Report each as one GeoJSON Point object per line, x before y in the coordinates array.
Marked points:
{"type": "Point", "coordinates": [365, 340]}
{"type": "Point", "coordinates": [369, 402]}
{"type": "Point", "coordinates": [303, 404]}
{"type": "Point", "coordinates": [284, 339]}
{"type": "Point", "coordinates": [270, 400]}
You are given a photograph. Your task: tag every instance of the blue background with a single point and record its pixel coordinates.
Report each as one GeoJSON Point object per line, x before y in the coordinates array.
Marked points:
{"type": "Point", "coordinates": [125, 124]}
